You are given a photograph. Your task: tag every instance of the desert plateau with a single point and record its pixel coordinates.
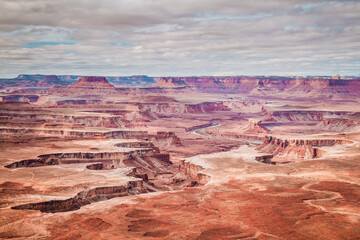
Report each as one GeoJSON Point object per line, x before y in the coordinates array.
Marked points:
{"type": "Point", "coordinates": [183, 158]}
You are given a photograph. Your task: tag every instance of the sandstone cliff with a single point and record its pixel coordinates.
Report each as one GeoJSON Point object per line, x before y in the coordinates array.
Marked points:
{"type": "Point", "coordinates": [255, 127]}
{"type": "Point", "coordinates": [171, 108]}
{"type": "Point", "coordinates": [325, 87]}
{"type": "Point", "coordinates": [92, 82]}
{"type": "Point", "coordinates": [194, 171]}
{"type": "Point", "coordinates": [339, 124]}
{"type": "Point", "coordinates": [86, 197]}
{"type": "Point", "coordinates": [290, 150]}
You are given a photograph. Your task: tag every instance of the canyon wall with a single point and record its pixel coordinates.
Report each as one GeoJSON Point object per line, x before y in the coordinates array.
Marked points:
{"type": "Point", "coordinates": [302, 116]}
{"type": "Point", "coordinates": [265, 85]}
{"type": "Point", "coordinates": [194, 171]}
{"type": "Point", "coordinates": [86, 197]}
{"type": "Point", "coordinates": [171, 108]}
{"type": "Point", "coordinates": [290, 150]}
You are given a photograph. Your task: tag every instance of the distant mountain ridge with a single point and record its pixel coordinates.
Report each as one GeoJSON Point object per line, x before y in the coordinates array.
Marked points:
{"type": "Point", "coordinates": [267, 85]}
{"type": "Point", "coordinates": [47, 81]}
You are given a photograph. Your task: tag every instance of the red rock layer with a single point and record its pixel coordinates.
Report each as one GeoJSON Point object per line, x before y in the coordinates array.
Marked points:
{"type": "Point", "coordinates": [285, 151]}
{"type": "Point", "coordinates": [92, 82]}
{"type": "Point", "coordinates": [86, 197]}
{"type": "Point", "coordinates": [254, 127]}
{"type": "Point", "coordinates": [272, 84]}
{"type": "Point", "coordinates": [194, 171]}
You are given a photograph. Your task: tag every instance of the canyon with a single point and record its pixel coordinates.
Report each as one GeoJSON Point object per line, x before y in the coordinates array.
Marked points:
{"type": "Point", "coordinates": [134, 157]}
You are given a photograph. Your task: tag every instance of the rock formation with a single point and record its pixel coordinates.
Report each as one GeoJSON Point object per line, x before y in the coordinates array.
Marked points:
{"type": "Point", "coordinates": [86, 197]}
{"type": "Point", "coordinates": [313, 87]}
{"type": "Point", "coordinates": [337, 77]}
{"type": "Point", "coordinates": [50, 81]}
{"type": "Point", "coordinates": [290, 150]}
{"type": "Point", "coordinates": [194, 171]}
{"type": "Point", "coordinates": [171, 108]}
{"type": "Point", "coordinates": [92, 82]}
{"type": "Point", "coordinates": [339, 124]}
{"type": "Point", "coordinates": [255, 127]}
{"type": "Point", "coordinates": [169, 83]}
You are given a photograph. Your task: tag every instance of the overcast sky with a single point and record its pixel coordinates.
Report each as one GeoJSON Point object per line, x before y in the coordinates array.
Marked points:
{"type": "Point", "coordinates": [179, 37]}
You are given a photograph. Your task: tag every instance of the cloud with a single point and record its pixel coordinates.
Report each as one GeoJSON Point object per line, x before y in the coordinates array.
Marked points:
{"type": "Point", "coordinates": [161, 37]}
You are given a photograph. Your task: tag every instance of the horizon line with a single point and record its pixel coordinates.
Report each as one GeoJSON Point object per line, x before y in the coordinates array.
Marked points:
{"type": "Point", "coordinates": [177, 76]}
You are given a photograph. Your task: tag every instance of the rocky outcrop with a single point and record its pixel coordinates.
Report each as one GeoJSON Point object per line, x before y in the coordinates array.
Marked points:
{"type": "Point", "coordinates": [79, 102]}
{"type": "Point", "coordinates": [161, 139]}
{"type": "Point", "coordinates": [236, 135]}
{"type": "Point", "coordinates": [265, 159]}
{"type": "Point", "coordinates": [283, 143]}
{"type": "Point", "coordinates": [338, 124]}
{"type": "Point", "coordinates": [85, 86]}
{"type": "Point", "coordinates": [86, 197]}
{"type": "Point", "coordinates": [146, 164]}
{"type": "Point", "coordinates": [50, 81]}
{"type": "Point", "coordinates": [171, 108]}
{"type": "Point", "coordinates": [290, 150]}
{"type": "Point", "coordinates": [302, 116]}
{"type": "Point", "coordinates": [134, 173]}
{"type": "Point", "coordinates": [255, 127]}
{"type": "Point", "coordinates": [135, 145]}
{"type": "Point", "coordinates": [90, 118]}
{"type": "Point", "coordinates": [337, 77]}
{"type": "Point", "coordinates": [33, 163]}
{"type": "Point", "coordinates": [165, 139]}
{"type": "Point", "coordinates": [33, 81]}
{"type": "Point", "coordinates": [86, 120]}
{"type": "Point", "coordinates": [256, 85]}
{"type": "Point", "coordinates": [51, 132]}
{"type": "Point", "coordinates": [92, 82]}
{"type": "Point", "coordinates": [96, 166]}
{"type": "Point", "coordinates": [19, 98]}
{"type": "Point", "coordinates": [196, 127]}
{"type": "Point", "coordinates": [194, 171]}
{"type": "Point", "coordinates": [127, 134]}
{"type": "Point", "coordinates": [169, 82]}
{"type": "Point", "coordinates": [245, 105]}
{"type": "Point", "coordinates": [113, 159]}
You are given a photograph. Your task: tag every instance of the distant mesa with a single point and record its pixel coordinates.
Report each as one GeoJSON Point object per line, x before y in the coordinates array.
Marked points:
{"type": "Point", "coordinates": [92, 82]}
{"type": "Point", "coordinates": [337, 76]}
{"type": "Point", "coordinates": [37, 77]}
{"type": "Point", "coordinates": [169, 82]}
{"type": "Point", "coordinates": [267, 85]}
{"type": "Point", "coordinates": [51, 80]}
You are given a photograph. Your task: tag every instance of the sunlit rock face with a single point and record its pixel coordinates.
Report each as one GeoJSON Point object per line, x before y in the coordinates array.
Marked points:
{"type": "Point", "coordinates": [92, 82]}
{"type": "Point", "coordinates": [313, 87]}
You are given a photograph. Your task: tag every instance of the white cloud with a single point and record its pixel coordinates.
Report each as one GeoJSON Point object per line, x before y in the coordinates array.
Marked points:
{"type": "Point", "coordinates": [161, 37]}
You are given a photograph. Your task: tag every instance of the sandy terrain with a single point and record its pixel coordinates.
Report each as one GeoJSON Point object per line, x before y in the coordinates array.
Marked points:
{"type": "Point", "coordinates": [165, 163]}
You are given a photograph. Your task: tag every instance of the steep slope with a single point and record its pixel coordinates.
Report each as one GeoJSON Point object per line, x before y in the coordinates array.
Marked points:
{"type": "Point", "coordinates": [273, 85]}
{"type": "Point", "coordinates": [92, 82]}
{"type": "Point", "coordinates": [33, 81]}
{"type": "Point", "coordinates": [51, 80]}
{"type": "Point", "coordinates": [284, 150]}
{"type": "Point", "coordinates": [169, 83]}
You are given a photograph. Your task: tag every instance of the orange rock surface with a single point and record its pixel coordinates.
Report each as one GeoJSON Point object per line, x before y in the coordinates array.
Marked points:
{"type": "Point", "coordinates": [186, 158]}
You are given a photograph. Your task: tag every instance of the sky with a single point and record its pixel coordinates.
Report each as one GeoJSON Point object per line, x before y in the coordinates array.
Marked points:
{"type": "Point", "coordinates": [179, 37]}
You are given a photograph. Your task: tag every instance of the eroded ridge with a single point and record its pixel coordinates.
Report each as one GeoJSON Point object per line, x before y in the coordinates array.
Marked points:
{"type": "Point", "coordinates": [86, 197]}
{"type": "Point", "coordinates": [282, 150]}
{"type": "Point", "coordinates": [155, 169]}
